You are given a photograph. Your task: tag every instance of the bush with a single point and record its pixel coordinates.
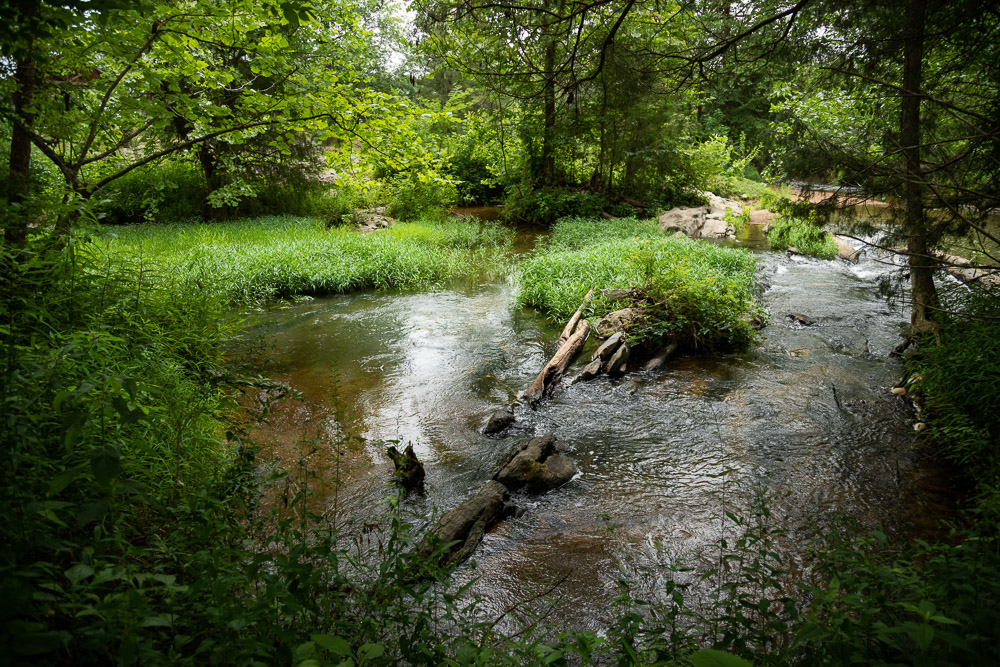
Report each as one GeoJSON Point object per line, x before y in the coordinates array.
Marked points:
{"type": "Point", "coordinates": [172, 191]}
{"type": "Point", "coordinates": [699, 294]}
{"type": "Point", "coordinates": [958, 381]}
{"type": "Point", "coordinates": [804, 235]}
{"type": "Point", "coordinates": [414, 196]}
{"type": "Point", "coordinates": [545, 206]}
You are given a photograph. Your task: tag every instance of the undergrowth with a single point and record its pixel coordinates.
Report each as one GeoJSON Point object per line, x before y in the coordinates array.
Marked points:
{"type": "Point", "coordinates": [698, 294]}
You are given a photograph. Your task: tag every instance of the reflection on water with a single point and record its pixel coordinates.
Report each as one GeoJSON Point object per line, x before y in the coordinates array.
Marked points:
{"type": "Point", "coordinates": [805, 413]}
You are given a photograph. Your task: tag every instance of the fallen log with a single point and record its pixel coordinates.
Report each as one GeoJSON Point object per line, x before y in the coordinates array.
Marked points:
{"type": "Point", "coordinates": [568, 329]}
{"type": "Point", "coordinates": [566, 351]}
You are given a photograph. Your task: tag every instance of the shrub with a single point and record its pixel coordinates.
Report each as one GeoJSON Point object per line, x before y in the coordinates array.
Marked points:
{"type": "Point", "coordinates": [414, 196]}
{"type": "Point", "coordinates": [959, 382]}
{"type": "Point", "coordinates": [172, 191]}
{"type": "Point", "coordinates": [545, 206]}
{"type": "Point", "coordinates": [804, 235]}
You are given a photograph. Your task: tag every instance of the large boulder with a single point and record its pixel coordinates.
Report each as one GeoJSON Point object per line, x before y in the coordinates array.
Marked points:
{"type": "Point", "coordinates": [537, 466]}
{"type": "Point", "coordinates": [616, 322]}
{"type": "Point", "coordinates": [463, 527]}
{"type": "Point", "coordinates": [708, 221]}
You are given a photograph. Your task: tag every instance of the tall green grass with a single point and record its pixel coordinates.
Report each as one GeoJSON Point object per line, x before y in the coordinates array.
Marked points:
{"type": "Point", "coordinates": [700, 294]}
{"type": "Point", "coordinates": [250, 261]}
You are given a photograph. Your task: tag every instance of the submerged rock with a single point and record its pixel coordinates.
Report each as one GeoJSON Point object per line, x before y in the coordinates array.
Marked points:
{"type": "Point", "coordinates": [498, 421]}
{"type": "Point", "coordinates": [589, 372]}
{"type": "Point", "coordinates": [537, 466]}
{"type": "Point", "coordinates": [660, 358]}
{"type": "Point", "coordinates": [804, 320]}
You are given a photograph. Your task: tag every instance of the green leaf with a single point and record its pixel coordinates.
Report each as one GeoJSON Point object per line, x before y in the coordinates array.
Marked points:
{"type": "Point", "coordinates": [333, 644]}
{"type": "Point", "coordinates": [708, 657]}
{"type": "Point", "coordinates": [106, 464]}
{"type": "Point", "coordinates": [79, 572]}
{"type": "Point", "coordinates": [371, 652]}
{"type": "Point", "coordinates": [64, 479]}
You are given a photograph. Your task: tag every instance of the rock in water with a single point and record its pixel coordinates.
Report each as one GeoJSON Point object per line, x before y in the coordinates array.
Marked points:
{"type": "Point", "coordinates": [537, 466]}
{"type": "Point", "coordinates": [608, 347]}
{"type": "Point", "coordinates": [589, 372]}
{"type": "Point", "coordinates": [498, 421]}
{"type": "Point", "coordinates": [409, 471]}
{"type": "Point", "coordinates": [618, 363]}
{"type": "Point", "coordinates": [464, 526]}
{"type": "Point", "coordinates": [660, 358]}
{"type": "Point", "coordinates": [804, 320]}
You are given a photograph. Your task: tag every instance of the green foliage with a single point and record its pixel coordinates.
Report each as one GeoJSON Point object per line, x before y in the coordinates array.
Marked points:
{"type": "Point", "coordinates": [929, 605]}
{"type": "Point", "coordinates": [415, 196]}
{"type": "Point", "coordinates": [545, 206]}
{"type": "Point", "coordinates": [958, 381]}
{"type": "Point", "coordinates": [806, 236]}
{"type": "Point", "coordinates": [717, 165]}
{"type": "Point", "coordinates": [700, 295]}
{"type": "Point", "coordinates": [251, 261]}
{"type": "Point", "coordinates": [174, 191]}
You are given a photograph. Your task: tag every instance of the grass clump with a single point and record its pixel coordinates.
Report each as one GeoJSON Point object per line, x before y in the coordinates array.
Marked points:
{"type": "Point", "coordinates": [697, 294]}
{"type": "Point", "coordinates": [250, 261]}
{"type": "Point", "coordinates": [804, 235]}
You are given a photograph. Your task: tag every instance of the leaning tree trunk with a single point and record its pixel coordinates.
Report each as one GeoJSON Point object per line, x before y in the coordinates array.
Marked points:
{"type": "Point", "coordinates": [921, 262]}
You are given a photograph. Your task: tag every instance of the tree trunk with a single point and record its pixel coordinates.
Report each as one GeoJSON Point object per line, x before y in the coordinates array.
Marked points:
{"type": "Point", "coordinates": [549, 131]}
{"type": "Point", "coordinates": [19, 178]}
{"type": "Point", "coordinates": [924, 294]}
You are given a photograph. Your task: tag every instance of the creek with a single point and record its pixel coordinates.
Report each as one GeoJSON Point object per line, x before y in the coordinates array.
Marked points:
{"type": "Point", "coordinates": [806, 413]}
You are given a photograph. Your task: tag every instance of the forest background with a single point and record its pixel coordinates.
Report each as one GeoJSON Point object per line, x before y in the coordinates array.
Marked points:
{"type": "Point", "coordinates": [134, 530]}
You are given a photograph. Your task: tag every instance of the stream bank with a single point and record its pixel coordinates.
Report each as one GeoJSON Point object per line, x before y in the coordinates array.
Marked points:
{"type": "Point", "coordinates": [806, 413]}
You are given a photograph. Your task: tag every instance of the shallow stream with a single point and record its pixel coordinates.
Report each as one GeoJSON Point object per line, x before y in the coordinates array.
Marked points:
{"type": "Point", "coordinates": [807, 414]}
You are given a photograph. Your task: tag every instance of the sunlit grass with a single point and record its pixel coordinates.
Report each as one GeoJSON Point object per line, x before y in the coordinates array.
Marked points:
{"type": "Point", "coordinates": [254, 260]}
{"type": "Point", "coordinates": [806, 237]}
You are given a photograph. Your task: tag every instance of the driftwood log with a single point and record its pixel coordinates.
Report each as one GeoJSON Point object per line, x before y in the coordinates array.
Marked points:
{"type": "Point", "coordinates": [570, 342]}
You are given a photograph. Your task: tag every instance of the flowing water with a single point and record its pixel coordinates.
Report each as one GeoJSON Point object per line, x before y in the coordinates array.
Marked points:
{"type": "Point", "coordinates": [807, 413]}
